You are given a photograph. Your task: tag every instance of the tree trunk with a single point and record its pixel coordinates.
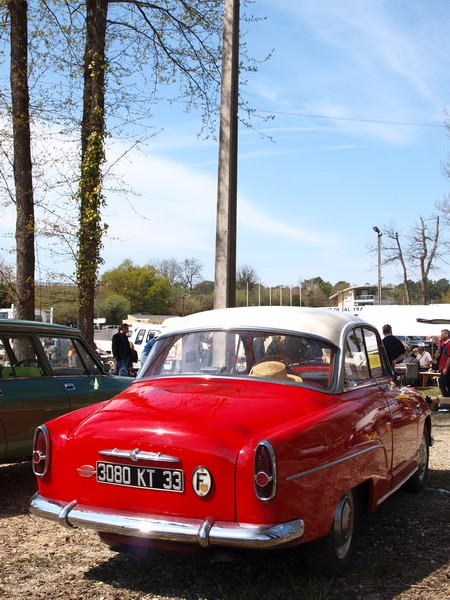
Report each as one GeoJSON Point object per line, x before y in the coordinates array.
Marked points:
{"type": "Point", "coordinates": [404, 270]}
{"type": "Point", "coordinates": [92, 158]}
{"type": "Point", "coordinates": [23, 178]}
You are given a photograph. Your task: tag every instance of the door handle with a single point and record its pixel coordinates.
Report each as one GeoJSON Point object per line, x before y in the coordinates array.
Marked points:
{"type": "Point", "coordinates": [70, 387]}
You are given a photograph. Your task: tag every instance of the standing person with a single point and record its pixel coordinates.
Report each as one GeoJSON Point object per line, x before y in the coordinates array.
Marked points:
{"type": "Point", "coordinates": [121, 350]}
{"type": "Point", "coordinates": [444, 363]}
{"type": "Point", "coordinates": [395, 350]}
{"type": "Point", "coordinates": [259, 349]}
{"type": "Point", "coordinates": [424, 357]}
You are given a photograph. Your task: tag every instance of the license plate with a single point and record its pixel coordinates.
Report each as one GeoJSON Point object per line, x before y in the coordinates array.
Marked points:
{"type": "Point", "coordinates": [150, 478]}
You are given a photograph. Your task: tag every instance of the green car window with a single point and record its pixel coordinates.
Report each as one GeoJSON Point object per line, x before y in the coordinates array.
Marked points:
{"type": "Point", "coordinates": [69, 357]}
{"type": "Point", "coordinates": [20, 358]}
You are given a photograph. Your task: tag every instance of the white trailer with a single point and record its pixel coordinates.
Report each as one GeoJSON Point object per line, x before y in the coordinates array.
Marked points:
{"type": "Point", "coordinates": [403, 319]}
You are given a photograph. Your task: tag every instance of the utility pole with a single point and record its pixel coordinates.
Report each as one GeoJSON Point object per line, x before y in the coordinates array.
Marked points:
{"type": "Point", "coordinates": [379, 234]}
{"type": "Point", "coordinates": [226, 220]}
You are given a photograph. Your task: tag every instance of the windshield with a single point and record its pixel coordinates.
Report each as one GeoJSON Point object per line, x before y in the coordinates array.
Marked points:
{"type": "Point", "coordinates": [294, 358]}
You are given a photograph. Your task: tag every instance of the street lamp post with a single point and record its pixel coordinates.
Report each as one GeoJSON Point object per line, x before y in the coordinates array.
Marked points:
{"type": "Point", "coordinates": [379, 234]}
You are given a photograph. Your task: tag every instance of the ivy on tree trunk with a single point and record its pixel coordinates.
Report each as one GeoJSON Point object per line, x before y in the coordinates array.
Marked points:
{"type": "Point", "coordinates": [92, 159]}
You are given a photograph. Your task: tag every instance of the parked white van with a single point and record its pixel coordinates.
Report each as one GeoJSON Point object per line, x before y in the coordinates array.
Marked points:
{"type": "Point", "coordinates": [141, 333]}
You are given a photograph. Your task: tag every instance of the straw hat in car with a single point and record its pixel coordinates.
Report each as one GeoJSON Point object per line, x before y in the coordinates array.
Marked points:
{"type": "Point", "coordinates": [273, 369]}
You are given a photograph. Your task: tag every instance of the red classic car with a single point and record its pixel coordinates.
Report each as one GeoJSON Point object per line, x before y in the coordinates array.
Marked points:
{"type": "Point", "coordinates": [251, 428]}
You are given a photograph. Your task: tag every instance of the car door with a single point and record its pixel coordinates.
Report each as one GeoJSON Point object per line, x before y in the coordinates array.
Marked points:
{"type": "Point", "coordinates": [363, 367]}
{"type": "Point", "coordinates": [29, 396]}
{"type": "Point", "coordinates": [402, 409]}
{"type": "Point", "coordinates": [78, 372]}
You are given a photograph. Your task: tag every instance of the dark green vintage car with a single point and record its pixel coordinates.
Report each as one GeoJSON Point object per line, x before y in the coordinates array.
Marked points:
{"type": "Point", "coordinates": [46, 370]}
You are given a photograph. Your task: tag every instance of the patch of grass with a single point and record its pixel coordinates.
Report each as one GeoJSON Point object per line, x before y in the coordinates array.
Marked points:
{"type": "Point", "coordinates": [316, 589]}
{"type": "Point", "coordinates": [432, 390]}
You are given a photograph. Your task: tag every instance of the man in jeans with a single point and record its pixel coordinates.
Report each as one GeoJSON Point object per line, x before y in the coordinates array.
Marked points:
{"type": "Point", "coordinates": [121, 350]}
{"type": "Point", "coordinates": [444, 363]}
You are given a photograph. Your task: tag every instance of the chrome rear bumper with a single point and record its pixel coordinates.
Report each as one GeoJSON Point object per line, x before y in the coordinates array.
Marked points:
{"type": "Point", "coordinates": [206, 532]}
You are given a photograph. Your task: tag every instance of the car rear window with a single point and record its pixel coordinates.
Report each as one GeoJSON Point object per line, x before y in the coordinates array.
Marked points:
{"type": "Point", "coordinates": [306, 359]}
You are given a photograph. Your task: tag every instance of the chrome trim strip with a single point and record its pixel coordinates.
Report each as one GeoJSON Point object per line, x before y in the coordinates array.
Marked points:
{"type": "Point", "coordinates": [136, 455]}
{"type": "Point", "coordinates": [45, 432]}
{"type": "Point", "coordinates": [395, 488]}
{"type": "Point", "coordinates": [338, 461]}
{"type": "Point", "coordinates": [64, 513]}
{"type": "Point", "coordinates": [159, 527]}
{"type": "Point", "coordinates": [204, 531]}
{"type": "Point", "coordinates": [273, 460]}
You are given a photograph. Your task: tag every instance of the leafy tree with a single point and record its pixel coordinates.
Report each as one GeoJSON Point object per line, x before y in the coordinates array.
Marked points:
{"type": "Point", "coordinates": [437, 291]}
{"type": "Point", "coordinates": [115, 308]}
{"type": "Point", "coordinates": [144, 287]}
{"type": "Point", "coordinates": [339, 286]}
{"type": "Point", "coordinates": [316, 292]}
{"type": "Point", "coordinates": [6, 285]}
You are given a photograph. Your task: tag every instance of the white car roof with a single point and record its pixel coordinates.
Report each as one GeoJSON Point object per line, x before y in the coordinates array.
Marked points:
{"type": "Point", "coordinates": [325, 323]}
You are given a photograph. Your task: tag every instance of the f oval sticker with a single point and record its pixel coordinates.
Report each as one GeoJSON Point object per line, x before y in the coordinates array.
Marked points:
{"type": "Point", "coordinates": [201, 481]}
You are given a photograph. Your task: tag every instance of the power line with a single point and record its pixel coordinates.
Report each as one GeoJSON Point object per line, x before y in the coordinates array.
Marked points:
{"type": "Point", "coordinates": [333, 118]}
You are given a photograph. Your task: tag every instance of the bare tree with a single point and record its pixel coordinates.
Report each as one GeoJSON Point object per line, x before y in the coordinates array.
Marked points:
{"type": "Point", "coordinates": [419, 253]}
{"type": "Point", "coordinates": [423, 250]}
{"type": "Point", "coordinates": [246, 276]}
{"type": "Point", "coordinates": [189, 272]}
{"type": "Point", "coordinates": [168, 268]}
{"type": "Point", "coordinates": [393, 253]}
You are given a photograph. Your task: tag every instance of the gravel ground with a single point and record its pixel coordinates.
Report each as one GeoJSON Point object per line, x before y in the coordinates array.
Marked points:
{"type": "Point", "coordinates": [404, 554]}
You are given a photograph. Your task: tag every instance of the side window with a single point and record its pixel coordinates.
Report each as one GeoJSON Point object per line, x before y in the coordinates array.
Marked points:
{"type": "Point", "coordinates": [373, 352]}
{"type": "Point", "coordinates": [69, 357]}
{"type": "Point", "coordinates": [139, 337]}
{"type": "Point", "coordinates": [20, 358]}
{"type": "Point", "coordinates": [356, 362]}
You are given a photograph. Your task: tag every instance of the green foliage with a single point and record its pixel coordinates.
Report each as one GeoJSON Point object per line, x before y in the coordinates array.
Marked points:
{"type": "Point", "coordinates": [316, 292]}
{"type": "Point", "coordinates": [6, 297]}
{"type": "Point", "coordinates": [62, 299]}
{"type": "Point", "coordinates": [115, 308]}
{"type": "Point", "coordinates": [145, 288]}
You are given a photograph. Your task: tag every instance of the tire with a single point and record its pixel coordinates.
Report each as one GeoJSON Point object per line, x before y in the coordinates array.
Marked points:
{"type": "Point", "coordinates": [330, 556]}
{"type": "Point", "coordinates": [418, 481]}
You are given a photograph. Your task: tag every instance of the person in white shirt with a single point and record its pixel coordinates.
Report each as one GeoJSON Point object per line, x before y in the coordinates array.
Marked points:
{"type": "Point", "coordinates": [424, 357]}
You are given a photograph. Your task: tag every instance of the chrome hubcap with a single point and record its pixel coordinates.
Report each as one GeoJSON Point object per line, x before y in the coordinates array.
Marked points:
{"type": "Point", "coordinates": [422, 463]}
{"type": "Point", "coordinates": [344, 524]}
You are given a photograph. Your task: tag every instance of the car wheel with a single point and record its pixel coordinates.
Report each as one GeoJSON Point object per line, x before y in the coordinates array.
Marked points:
{"type": "Point", "coordinates": [331, 555]}
{"type": "Point", "coordinates": [419, 480]}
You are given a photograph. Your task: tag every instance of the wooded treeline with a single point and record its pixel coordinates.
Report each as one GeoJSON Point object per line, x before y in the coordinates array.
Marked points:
{"type": "Point", "coordinates": [171, 287]}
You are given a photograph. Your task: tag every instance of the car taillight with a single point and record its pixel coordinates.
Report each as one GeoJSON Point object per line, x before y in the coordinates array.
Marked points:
{"type": "Point", "coordinates": [41, 451]}
{"type": "Point", "coordinates": [265, 473]}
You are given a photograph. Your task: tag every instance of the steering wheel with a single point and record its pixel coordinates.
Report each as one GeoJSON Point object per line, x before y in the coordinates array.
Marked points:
{"type": "Point", "coordinates": [27, 362]}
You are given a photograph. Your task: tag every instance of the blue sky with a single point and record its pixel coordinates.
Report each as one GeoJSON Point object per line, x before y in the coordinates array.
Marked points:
{"type": "Point", "coordinates": [358, 91]}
